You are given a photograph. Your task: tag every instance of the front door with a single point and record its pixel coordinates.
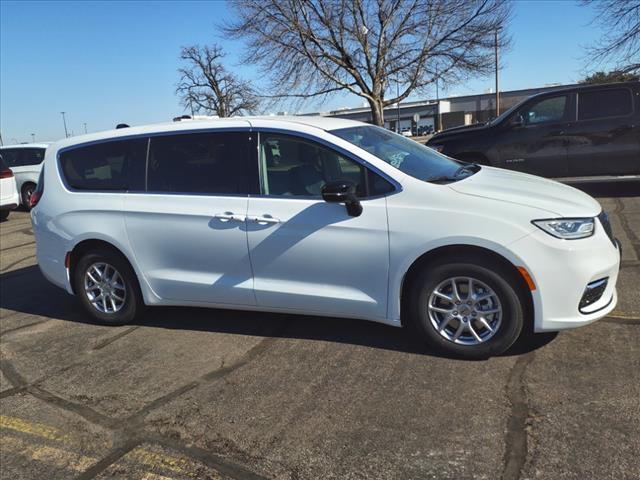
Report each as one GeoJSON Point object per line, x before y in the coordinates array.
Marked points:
{"type": "Point", "coordinates": [310, 255]}
{"type": "Point", "coordinates": [534, 140]}
{"type": "Point", "coordinates": [188, 228]}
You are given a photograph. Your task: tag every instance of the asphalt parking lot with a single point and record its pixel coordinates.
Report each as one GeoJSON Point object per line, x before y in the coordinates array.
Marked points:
{"type": "Point", "coordinates": [193, 393]}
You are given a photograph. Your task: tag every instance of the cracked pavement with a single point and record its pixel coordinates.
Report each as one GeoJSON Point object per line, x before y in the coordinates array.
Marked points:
{"type": "Point", "coordinates": [194, 393]}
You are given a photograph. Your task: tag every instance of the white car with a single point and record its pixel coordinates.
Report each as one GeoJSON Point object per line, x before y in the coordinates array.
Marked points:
{"type": "Point", "coordinates": [26, 161]}
{"type": "Point", "coordinates": [350, 221]}
{"type": "Point", "coordinates": [8, 191]}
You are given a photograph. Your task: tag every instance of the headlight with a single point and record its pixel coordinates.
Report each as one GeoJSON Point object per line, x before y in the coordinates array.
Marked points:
{"type": "Point", "coordinates": [567, 228]}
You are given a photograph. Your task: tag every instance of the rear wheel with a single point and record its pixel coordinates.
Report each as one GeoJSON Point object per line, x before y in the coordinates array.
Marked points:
{"type": "Point", "coordinates": [107, 287]}
{"type": "Point", "coordinates": [4, 214]}
{"type": "Point", "coordinates": [27, 191]}
{"type": "Point", "coordinates": [469, 310]}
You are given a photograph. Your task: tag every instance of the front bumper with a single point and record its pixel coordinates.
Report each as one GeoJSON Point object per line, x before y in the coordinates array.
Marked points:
{"type": "Point", "coordinates": [561, 271]}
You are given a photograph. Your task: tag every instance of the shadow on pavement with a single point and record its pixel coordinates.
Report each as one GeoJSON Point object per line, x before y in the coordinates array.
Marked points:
{"type": "Point", "coordinates": [25, 290]}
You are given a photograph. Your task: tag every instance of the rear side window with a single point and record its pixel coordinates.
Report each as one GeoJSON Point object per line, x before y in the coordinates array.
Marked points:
{"type": "Point", "coordinates": [604, 103]}
{"type": "Point", "coordinates": [115, 165]}
{"type": "Point", "coordinates": [199, 163]}
{"type": "Point", "coordinates": [20, 157]}
{"type": "Point", "coordinates": [11, 157]}
{"type": "Point", "coordinates": [32, 156]}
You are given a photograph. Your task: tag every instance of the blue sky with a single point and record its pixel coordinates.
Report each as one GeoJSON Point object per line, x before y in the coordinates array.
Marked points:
{"type": "Point", "coordinates": [110, 62]}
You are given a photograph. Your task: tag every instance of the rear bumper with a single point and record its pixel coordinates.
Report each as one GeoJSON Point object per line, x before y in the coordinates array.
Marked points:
{"type": "Point", "coordinates": [9, 206]}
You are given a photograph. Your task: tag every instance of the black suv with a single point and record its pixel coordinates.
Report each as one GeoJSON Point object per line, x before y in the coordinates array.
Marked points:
{"type": "Point", "coordinates": [584, 131]}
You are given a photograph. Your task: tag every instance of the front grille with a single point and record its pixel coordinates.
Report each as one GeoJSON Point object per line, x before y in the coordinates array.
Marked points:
{"type": "Point", "coordinates": [604, 221]}
{"type": "Point", "coordinates": [593, 293]}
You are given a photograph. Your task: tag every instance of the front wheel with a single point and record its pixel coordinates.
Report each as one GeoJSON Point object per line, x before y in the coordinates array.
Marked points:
{"type": "Point", "coordinates": [107, 287]}
{"type": "Point", "coordinates": [468, 310]}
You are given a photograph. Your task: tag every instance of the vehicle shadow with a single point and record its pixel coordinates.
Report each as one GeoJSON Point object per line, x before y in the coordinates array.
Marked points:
{"type": "Point", "coordinates": [25, 290]}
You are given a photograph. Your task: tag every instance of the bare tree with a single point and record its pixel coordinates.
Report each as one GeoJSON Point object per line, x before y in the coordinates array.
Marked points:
{"type": "Point", "coordinates": [620, 20]}
{"type": "Point", "coordinates": [207, 86]}
{"type": "Point", "coordinates": [311, 48]}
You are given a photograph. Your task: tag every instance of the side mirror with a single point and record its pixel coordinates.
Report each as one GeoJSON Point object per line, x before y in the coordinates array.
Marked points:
{"type": "Point", "coordinates": [343, 191]}
{"type": "Point", "coordinates": [517, 121]}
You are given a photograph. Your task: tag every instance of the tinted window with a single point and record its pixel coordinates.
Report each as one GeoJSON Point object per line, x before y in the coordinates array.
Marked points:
{"type": "Point", "coordinates": [604, 103]}
{"type": "Point", "coordinates": [11, 157]}
{"type": "Point", "coordinates": [32, 156]}
{"type": "Point", "coordinates": [19, 157]}
{"type": "Point", "coordinates": [213, 163]}
{"type": "Point", "coordinates": [295, 167]}
{"type": "Point", "coordinates": [115, 165]}
{"type": "Point", "coordinates": [548, 110]}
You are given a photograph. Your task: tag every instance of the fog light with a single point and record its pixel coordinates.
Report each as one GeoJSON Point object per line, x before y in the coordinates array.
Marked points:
{"type": "Point", "coordinates": [593, 293]}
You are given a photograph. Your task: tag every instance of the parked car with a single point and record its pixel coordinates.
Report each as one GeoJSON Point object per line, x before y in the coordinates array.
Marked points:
{"type": "Point", "coordinates": [425, 130]}
{"type": "Point", "coordinates": [406, 132]}
{"type": "Point", "coordinates": [26, 161]}
{"type": "Point", "coordinates": [350, 221]}
{"type": "Point", "coordinates": [589, 132]}
{"type": "Point", "coordinates": [8, 191]}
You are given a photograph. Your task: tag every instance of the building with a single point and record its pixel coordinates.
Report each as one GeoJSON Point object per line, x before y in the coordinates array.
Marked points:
{"type": "Point", "coordinates": [443, 113]}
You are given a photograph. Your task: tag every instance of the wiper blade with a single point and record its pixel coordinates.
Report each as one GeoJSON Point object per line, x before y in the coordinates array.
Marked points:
{"type": "Point", "coordinates": [441, 178]}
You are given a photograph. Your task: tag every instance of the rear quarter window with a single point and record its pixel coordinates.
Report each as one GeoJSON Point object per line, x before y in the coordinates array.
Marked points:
{"type": "Point", "coordinates": [113, 166]}
{"type": "Point", "coordinates": [33, 156]}
{"type": "Point", "coordinates": [604, 103]}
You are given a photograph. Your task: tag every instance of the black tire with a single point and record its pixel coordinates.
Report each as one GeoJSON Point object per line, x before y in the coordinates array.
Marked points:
{"type": "Point", "coordinates": [4, 214]}
{"type": "Point", "coordinates": [493, 275]}
{"type": "Point", "coordinates": [27, 189]}
{"type": "Point", "coordinates": [133, 305]}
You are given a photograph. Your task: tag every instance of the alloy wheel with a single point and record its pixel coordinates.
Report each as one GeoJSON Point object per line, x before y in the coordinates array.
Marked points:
{"type": "Point", "coordinates": [465, 310]}
{"type": "Point", "coordinates": [104, 287]}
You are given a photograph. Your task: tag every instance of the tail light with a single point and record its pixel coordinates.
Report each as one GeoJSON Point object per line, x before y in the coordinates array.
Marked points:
{"type": "Point", "coordinates": [37, 193]}
{"type": "Point", "coordinates": [34, 198]}
{"type": "Point", "coordinates": [6, 173]}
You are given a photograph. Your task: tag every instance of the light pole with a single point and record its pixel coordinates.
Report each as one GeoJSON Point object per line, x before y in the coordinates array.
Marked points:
{"type": "Point", "coordinates": [497, 81]}
{"type": "Point", "coordinates": [436, 126]}
{"type": "Point", "coordinates": [85, 127]}
{"type": "Point", "coordinates": [398, 105]}
{"type": "Point", "coordinates": [33, 138]}
{"type": "Point", "coordinates": [64, 120]}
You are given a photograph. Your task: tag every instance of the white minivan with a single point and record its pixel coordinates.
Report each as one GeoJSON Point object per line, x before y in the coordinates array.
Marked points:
{"type": "Point", "coordinates": [320, 216]}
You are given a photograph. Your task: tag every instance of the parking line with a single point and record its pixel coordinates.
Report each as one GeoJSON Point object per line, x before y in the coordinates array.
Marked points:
{"type": "Point", "coordinates": [64, 459]}
{"type": "Point", "coordinates": [37, 429]}
{"type": "Point", "coordinates": [44, 453]}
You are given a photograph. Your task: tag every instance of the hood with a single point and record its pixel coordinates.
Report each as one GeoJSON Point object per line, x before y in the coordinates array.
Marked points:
{"type": "Point", "coordinates": [454, 130]}
{"type": "Point", "coordinates": [522, 189]}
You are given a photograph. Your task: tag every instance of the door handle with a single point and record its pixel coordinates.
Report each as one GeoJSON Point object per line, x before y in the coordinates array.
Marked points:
{"type": "Point", "coordinates": [228, 216]}
{"type": "Point", "coordinates": [265, 219]}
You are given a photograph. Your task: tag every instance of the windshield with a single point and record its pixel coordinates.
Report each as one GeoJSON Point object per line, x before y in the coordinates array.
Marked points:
{"type": "Point", "coordinates": [406, 155]}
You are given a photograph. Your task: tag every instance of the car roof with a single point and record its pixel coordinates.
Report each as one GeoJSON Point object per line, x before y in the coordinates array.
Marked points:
{"type": "Point", "coordinates": [27, 145]}
{"type": "Point", "coordinates": [586, 86]}
{"type": "Point", "coordinates": [273, 121]}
